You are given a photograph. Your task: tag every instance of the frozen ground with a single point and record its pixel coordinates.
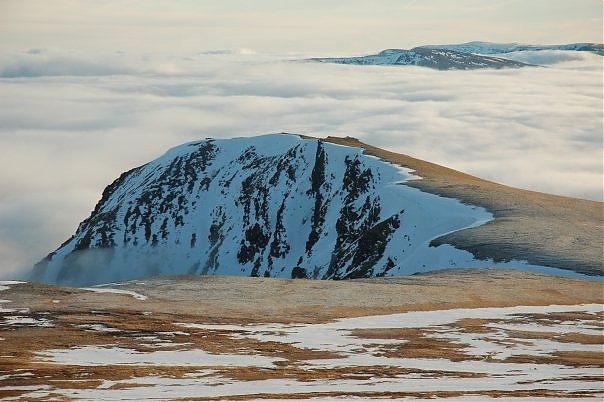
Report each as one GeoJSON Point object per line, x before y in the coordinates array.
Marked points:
{"type": "Point", "coordinates": [487, 364]}
{"type": "Point", "coordinates": [113, 346]}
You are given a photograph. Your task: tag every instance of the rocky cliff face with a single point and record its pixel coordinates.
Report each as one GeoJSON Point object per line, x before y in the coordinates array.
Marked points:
{"type": "Point", "coordinates": [275, 205]}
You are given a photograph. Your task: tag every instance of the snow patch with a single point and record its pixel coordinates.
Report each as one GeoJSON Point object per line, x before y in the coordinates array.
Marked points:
{"type": "Point", "coordinates": [137, 296]}
{"type": "Point", "coordinates": [5, 285]}
{"type": "Point", "coordinates": [96, 355]}
{"type": "Point", "coordinates": [24, 321]}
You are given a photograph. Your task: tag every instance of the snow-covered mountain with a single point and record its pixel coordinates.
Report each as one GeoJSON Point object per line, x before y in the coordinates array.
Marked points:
{"type": "Point", "coordinates": [436, 58]}
{"type": "Point", "coordinates": [462, 56]}
{"type": "Point", "coordinates": [483, 48]}
{"type": "Point", "coordinates": [275, 205]}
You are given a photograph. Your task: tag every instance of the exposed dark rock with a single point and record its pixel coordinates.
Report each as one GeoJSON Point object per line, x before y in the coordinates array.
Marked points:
{"type": "Point", "coordinates": [317, 179]}
{"type": "Point", "coordinates": [255, 240]}
{"type": "Point", "coordinates": [299, 273]}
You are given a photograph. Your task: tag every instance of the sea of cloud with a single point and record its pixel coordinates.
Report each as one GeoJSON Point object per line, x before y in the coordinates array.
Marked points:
{"type": "Point", "coordinates": [69, 125]}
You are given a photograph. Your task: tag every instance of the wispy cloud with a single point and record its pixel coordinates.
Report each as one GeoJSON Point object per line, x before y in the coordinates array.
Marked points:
{"type": "Point", "coordinates": [70, 125]}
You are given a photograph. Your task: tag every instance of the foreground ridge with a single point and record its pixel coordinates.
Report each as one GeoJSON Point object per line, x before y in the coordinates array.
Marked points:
{"type": "Point", "coordinates": [455, 334]}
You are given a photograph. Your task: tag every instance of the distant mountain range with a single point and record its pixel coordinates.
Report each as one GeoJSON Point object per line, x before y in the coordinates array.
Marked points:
{"type": "Point", "coordinates": [277, 205]}
{"type": "Point", "coordinates": [465, 56]}
{"type": "Point", "coordinates": [501, 48]}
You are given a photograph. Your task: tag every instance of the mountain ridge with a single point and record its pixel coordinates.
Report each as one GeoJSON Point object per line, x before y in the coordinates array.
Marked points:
{"type": "Point", "coordinates": [484, 48]}
{"type": "Point", "coordinates": [435, 58]}
{"type": "Point", "coordinates": [462, 56]}
{"type": "Point", "coordinates": [280, 205]}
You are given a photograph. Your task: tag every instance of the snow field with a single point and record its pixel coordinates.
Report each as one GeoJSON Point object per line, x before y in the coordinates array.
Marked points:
{"type": "Point", "coordinates": [485, 369]}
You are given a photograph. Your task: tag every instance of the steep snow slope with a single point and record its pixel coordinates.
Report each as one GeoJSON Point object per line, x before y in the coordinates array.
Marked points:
{"type": "Point", "coordinates": [440, 59]}
{"type": "Point", "coordinates": [275, 205]}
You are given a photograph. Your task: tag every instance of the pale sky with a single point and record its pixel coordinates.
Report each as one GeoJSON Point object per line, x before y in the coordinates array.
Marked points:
{"type": "Point", "coordinates": [280, 26]}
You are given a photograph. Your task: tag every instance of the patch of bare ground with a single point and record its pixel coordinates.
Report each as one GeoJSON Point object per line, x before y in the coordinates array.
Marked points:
{"type": "Point", "coordinates": [570, 337]}
{"type": "Point", "coordinates": [573, 358]}
{"type": "Point", "coordinates": [595, 320]}
{"type": "Point", "coordinates": [284, 371]}
{"type": "Point", "coordinates": [543, 229]}
{"type": "Point", "coordinates": [419, 343]}
{"type": "Point", "coordinates": [531, 393]}
{"type": "Point", "coordinates": [482, 326]}
{"type": "Point", "coordinates": [588, 378]}
{"type": "Point", "coordinates": [473, 325]}
{"type": "Point", "coordinates": [74, 376]}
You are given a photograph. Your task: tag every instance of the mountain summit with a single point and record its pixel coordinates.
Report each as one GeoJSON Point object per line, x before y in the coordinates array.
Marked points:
{"type": "Point", "coordinates": [276, 205]}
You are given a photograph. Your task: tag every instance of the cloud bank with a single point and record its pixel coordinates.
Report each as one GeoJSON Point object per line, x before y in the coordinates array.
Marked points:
{"type": "Point", "coordinates": [548, 57]}
{"type": "Point", "coordinates": [39, 63]}
{"type": "Point", "coordinates": [70, 125]}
